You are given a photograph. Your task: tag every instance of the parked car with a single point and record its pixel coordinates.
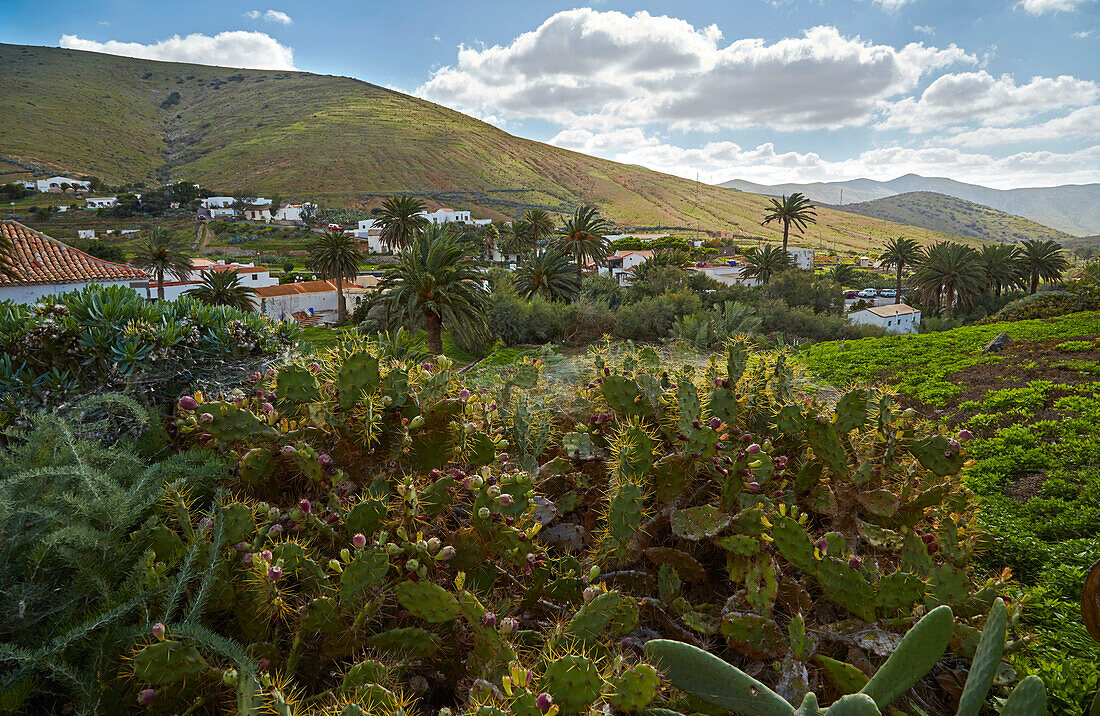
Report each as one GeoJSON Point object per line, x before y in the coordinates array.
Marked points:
{"type": "Point", "coordinates": [850, 294]}
{"type": "Point", "coordinates": [335, 227]}
{"type": "Point", "coordinates": [867, 293]}
{"type": "Point", "coordinates": [888, 293]}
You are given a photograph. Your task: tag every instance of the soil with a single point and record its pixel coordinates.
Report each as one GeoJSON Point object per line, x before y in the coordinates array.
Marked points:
{"type": "Point", "coordinates": [1021, 362]}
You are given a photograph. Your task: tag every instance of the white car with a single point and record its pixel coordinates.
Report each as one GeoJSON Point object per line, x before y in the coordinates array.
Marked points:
{"type": "Point", "coordinates": [867, 293]}
{"type": "Point", "coordinates": [888, 293]}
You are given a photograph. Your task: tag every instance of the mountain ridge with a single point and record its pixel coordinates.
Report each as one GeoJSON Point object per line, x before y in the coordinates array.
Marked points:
{"type": "Point", "coordinates": [1070, 208]}
{"type": "Point", "coordinates": [341, 140]}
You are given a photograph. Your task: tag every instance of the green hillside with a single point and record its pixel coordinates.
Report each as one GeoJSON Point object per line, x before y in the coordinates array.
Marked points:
{"type": "Point", "coordinates": [304, 136]}
{"type": "Point", "coordinates": [950, 215]}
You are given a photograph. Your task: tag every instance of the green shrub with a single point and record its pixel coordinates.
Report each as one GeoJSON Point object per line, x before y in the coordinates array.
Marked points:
{"type": "Point", "coordinates": [651, 318]}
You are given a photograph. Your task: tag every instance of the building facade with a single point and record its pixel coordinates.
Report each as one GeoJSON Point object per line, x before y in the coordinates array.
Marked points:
{"type": "Point", "coordinates": [895, 317]}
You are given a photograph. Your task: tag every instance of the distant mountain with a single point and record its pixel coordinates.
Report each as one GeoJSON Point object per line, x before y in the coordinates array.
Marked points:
{"type": "Point", "coordinates": [948, 214]}
{"type": "Point", "coordinates": [1072, 208]}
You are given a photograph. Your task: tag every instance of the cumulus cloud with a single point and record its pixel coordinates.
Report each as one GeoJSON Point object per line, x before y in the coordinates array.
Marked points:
{"type": "Point", "coordinates": [892, 4]}
{"type": "Point", "coordinates": [979, 97]}
{"type": "Point", "coordinates": [721, 161]}
{"type": "Point", "coordinates": [1040, 7]}
{"type": "Point", "coordinates": [924, 29]}
{"type": "Point", "coordinates": [1084, 122]}
{"type": "Point", "coordinates": [271, 16]}
{"type": "Point", "coordinates": [251, 50]}
{"type": "Point", "coordinates": [601, 70]}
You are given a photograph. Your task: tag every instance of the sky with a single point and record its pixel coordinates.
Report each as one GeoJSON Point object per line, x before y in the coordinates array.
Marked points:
{"type": "Point", "coordinates": [1004, 93]}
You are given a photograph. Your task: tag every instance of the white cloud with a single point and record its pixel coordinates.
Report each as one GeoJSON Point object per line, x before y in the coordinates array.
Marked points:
{"type": "Point", "coordinates": [600, 70]}
{"type": "Point", "coordinates": [252, 50]}
{"type": "Point", "coordinates": [721, 161]}
{"type": "Point", "coordinates": [979, 97]}
{"type": "Point", "coordinates": [924, 29]}
{"type": "Point", "coordinates": [1084, 122]}
{"type": "Point", "coordinates": [893, 4]}
{"type": "Point", "coordinates": [104, 23]}
{"type": "Point", "coordinates": [1039, 7]}
{"type": "Point", "coordinates": [1082, 34]}
{"type": "Point", "coordinates": [271, 16]}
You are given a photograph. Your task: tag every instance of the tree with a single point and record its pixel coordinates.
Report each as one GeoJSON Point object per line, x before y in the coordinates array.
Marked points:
{"type": "Point", "coordinates": [1042, 261]}
{"type": "Point", "coordinates": [761, 264]}
{"type": "Point", "coordinates": [333, 255]}
{"type": "Point", "coordinates": [309, 213]}
{"type": "Point", "coordinates": [435, 281]}
{"type": "Point", "coordinates": [900, 252]}
{"type": "Point", "coordinates": [949, 272]}
{"type": "Point", "coordinates": [489, 240]}
{"type": "Point", "coordinates": [582, 237]}
{"type": "Point", "coordinates": [794, 209]}
{"type": "Point", "coordinates": [550, 274]}
{"type": "Point", "coordinates": [276, 202]}
{"type": "Point", "coordinates": [164, 253]}
{"type": "Point", "coordinates": [224, 288]}
{"type": "Point", "coordinates": [401, 221]}
{"type": "Point", "coordinates": [843, 274]}
{"type": "Point", "coordinates": [530, 230]}
{"type": "Point", "coordinates": [288, 267]}
{"type": "Point", "coordinates": [1001, 263]}
{"type": "Point", "coordinates": [242, 203]}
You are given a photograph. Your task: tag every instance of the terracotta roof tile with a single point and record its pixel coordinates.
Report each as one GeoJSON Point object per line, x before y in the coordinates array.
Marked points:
{"type": "Point", "coordinates": [290, 289]}
{"type": "Point", "coordinates": [893, 309]}
{"type": "Point", "coordinates": [39, 259]}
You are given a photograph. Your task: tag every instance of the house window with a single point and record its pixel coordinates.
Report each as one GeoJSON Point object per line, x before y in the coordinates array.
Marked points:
{"type": "Point", "coordinates": [255, 276]}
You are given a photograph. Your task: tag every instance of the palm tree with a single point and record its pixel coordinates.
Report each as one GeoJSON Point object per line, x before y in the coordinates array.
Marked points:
{"type": "Point", "coordinates": [678, 258]}
{"type": "Point", "coordinates": [761, 264]}
{"type": "Point", "coordinates": [489, 241]}
{"type": "Point", "coordinates": [794, 209]}
{"type": "Point", "coordinates": [949, 272]}
{"type": "Point", "coordinates": [582, 237]}
{"type": "Point", "coordinates": [900, 252]}
{"type": "Point", "coordinates": [843, 274]}
{"type": "Point", "coordinates": [1042, 260]}
{"type": "Point", "coordinates": [333, 255]}
{"type": "Point", "coordinates": [532, 229]}
{"type": "Point", "coordinates": [164, 253]}
{"type": "Point", "coordinates": [436, 281]}
{"type": "Point", "coordinates": [401, 220]}
{"type": "Point", "coordinates": [1001, 263]}
{"type": "Point", "coordinates": [549, 274]}
{"type": "Point", "coordinates": [224, 288]}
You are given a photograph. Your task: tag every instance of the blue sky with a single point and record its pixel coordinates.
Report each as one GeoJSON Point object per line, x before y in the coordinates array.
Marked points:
{"type": "Point", "coordinates": [1000, 92]}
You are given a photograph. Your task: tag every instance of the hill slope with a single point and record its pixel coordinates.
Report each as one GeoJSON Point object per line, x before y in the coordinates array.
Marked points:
{"type": "Point", "coordinates": [303, 135]}
{"type": "Point", "coordinates": [1072, 208]}
{"type": "Point", "coordinates": [948, 214]}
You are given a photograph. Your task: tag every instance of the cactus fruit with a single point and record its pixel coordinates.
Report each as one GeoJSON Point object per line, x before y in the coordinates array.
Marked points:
{"type": "Point", "coordinates": [427, 601]}
{"type": "Point", "coordinates": [574, 682]}
{"type": "Point", "coordinates": [168, 661]}
{"type": "Point", "coordinates": [634, 688]}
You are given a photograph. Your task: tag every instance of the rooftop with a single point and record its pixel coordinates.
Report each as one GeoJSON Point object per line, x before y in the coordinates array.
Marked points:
{"type": "Point", "coordinates": [40, 259]}
{"type": "Point", "coordinates": [892, 310]}
{"type": "Point", "coordinates": [291, 289]}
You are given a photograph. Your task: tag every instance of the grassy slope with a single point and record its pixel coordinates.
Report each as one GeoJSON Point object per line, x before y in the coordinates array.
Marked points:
{"type": "Point", "coordinates": [948, 214]}
{"type": "Point", "coordinates": [1035, 410]}
{"type": "Point", "coordinates": [304, 135]}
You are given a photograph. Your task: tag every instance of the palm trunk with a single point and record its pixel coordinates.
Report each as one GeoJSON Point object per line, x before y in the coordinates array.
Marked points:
{"type": "Point", "coordinates": [1034, 283]}
{"type": "Point", "coordinates": [160, 284]}
{"type": "Point", "coordinates": [786, 231]}
{"type": "Point", "coordinates": [434, 326]}
{"type": "Point", "coordinates": [950, 300]}
{"type": "Point", "coordinates": [897, 294]}
{"type": "Point", "coordinates": [341, 310]}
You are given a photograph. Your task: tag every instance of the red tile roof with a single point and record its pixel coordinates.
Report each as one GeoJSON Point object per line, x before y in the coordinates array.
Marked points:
{"type": "Point", "coordinates": [290, 289]}
{"type": "Point", "coordinates": [39, 259]}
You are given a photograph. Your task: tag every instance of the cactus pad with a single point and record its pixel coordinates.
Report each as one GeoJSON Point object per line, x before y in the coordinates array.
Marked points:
{"type": "Point", "coordinates": [574, 682]}
{"type": "Point", "coordinates": [427, 601]}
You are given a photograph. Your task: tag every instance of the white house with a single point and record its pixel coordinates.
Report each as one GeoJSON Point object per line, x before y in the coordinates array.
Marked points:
{"type": "Point", "coordinates": [292, 212]}
{"type": "Point", "coordinates": [85, 233]}
{"type": "Point", "coordinates": [57, 184]}
{"type": "Point", "coordinates": [621, 263]}
{"type": "Point", "coordinates": [802, 258]}
{"type": "Point", "coordinates": [729, 275]}
{"type": "Point", "coordinates": [308, 298]}
{"type": "Point", "coordinates": [895, 317]}
{"type": "Point", "coordinates": [445, 215]}
{"type": "Point", "coordinates": [102, 202]}
{"type": "Point", "coordinates": [222, 207]}
{"type": "Point", "coordinates": [45, 266]}
{"type": "Point", "coordinates": [370, 230]}
{"type": "Point", "coordinates": [499, 257]}
{"type": "Point", "coordinates": [249, 275]}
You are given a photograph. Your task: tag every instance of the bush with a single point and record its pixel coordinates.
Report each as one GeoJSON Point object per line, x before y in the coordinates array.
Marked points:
{"type": "Point", "coordinates": [1046, 304]}
{"type": "Point", "coordinates": [801, 288]}
{"type": "Point", "coordinates": [801, 323]}
{"type": "Point", "coordinates": [651, 319]}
